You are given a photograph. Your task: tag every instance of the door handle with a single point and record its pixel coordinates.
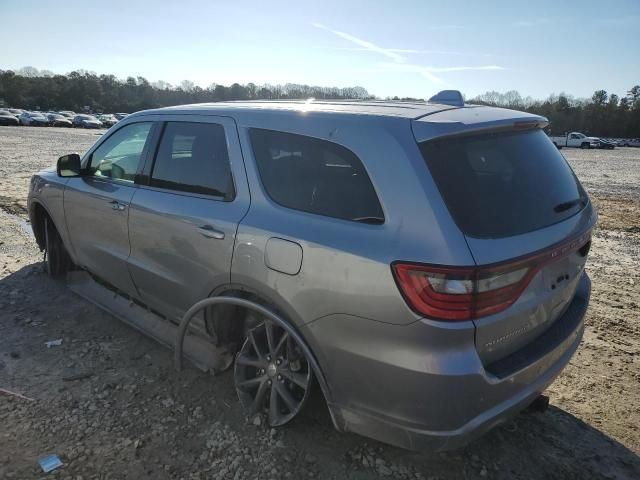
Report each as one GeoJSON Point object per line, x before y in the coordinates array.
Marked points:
{"type": "Point", "coordinates": [210, 232]}
{"type": "Point", "coordinates": [115, 205]}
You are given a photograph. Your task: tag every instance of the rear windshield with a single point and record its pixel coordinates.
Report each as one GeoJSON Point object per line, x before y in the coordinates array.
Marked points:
{"type": "Point", "coordinates": [503, 184]}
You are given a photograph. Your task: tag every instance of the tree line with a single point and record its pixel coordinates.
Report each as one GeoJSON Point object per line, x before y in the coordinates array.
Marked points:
{"type": "Point", "coordinates": [30, 88]}
{"type": "Point", "coordinates": [604, 114]}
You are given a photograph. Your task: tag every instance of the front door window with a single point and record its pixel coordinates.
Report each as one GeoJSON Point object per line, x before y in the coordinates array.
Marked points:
{"type": "Point", "coordinates": [118, 157]}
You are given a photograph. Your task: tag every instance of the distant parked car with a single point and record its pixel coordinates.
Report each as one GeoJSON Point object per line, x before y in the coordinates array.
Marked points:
{"type": "Point", "coordinates": [57, 120]}
{"type": "Point", "coordinates": [33, 119]}
{"type": "Point", "coordinates": [67, 113]}
{"type": "Point", "coordinates": [606, 144]}
{"type": "Point", "coordinates": [7, 118]}
{"type": "Point", "coordinates": [108, 120]}
{"type": "Point", "coordinates": [15, 111]}
{"type": "Point", "coordinates": [120, 116]}
{"type": "Point", "coordinates": [86, 121]}
{"type": "Point", "coordinates": [630, 142]}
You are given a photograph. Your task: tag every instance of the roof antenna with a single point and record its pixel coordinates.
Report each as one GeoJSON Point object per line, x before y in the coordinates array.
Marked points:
{"type": "Point", "coordinates": [448, 97]}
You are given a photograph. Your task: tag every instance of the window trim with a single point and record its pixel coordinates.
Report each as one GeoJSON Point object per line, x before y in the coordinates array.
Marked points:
{"type": "Point", "coordinates": [146, 176]}
{"type": "Point", "coordinates": [143, 156]}
{"type": "Point", "coordinates": [307, 212]}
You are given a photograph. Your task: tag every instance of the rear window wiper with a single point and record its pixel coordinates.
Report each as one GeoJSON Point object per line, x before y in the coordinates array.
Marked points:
{"type": "Point", "coordinates": [561, 207]}
{"type": "Point", "coordinates": [372, 220]}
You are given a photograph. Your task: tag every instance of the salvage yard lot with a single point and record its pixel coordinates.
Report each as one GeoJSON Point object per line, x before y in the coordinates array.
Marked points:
{"type": "Point", "coordinates": [109, 403]}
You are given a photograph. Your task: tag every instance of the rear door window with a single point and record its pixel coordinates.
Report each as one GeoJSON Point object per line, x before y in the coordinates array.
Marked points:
{"type": "Point", "coordinates": [504, 184]}
{"type": "Point", "coordinates": [193, 157]}
{"type": "Point", "coordinates": [315, 176]}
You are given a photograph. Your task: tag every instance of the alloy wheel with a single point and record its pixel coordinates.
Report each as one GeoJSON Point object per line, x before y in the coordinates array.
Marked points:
{"type": "Point", "coordinates": [272, 374]}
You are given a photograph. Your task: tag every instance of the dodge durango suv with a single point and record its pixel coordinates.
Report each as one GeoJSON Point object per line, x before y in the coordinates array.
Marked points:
{"type": "Point", "coordinates": [423, 263]}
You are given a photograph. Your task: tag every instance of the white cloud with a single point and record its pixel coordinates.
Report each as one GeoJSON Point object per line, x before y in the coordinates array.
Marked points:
{"type": "Point", "coordinates": [399, 62]}
{"type": "Point", "coordinates": [417, 51]}
{"type": "Point", "coordinates": [363, 43]}
{"type": "Point", "coordinates": [430, 76]}
{"type": "Point", "coordinates": [409, 67]}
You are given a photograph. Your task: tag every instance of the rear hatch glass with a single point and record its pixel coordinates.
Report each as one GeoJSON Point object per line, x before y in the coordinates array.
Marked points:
{"type": "Point", "coordinates": [503, 184]}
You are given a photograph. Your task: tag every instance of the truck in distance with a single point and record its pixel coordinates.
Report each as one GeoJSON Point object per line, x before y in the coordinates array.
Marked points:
{"type": "Point", "coordinates": [575, 139]}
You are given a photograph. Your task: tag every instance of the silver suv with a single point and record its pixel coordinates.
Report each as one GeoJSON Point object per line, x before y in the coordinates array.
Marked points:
{"type": "Point", "coordinates": [422, 262]}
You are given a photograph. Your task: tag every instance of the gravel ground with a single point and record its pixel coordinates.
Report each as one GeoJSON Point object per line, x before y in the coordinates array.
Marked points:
{"type": "Point", "coordinates": [607, 173]}
{"type": "Point", "coordinates": [109, 403]}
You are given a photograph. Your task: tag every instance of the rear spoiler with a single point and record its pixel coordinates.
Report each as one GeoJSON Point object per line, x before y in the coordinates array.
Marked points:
{"type": "Point", "coordinates": [472, 120]}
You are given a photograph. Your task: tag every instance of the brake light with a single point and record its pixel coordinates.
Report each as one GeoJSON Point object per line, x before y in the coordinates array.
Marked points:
{"type": "Point", "coordinates": [466, 293]}
{"type": "Point", "coordinates": [525, 125]}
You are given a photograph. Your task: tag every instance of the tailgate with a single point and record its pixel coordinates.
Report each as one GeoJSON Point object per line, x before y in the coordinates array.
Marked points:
{"type": "Point", "coordinates": [521, 209]}
{"type": "Point", "coordinates": [558, 269]}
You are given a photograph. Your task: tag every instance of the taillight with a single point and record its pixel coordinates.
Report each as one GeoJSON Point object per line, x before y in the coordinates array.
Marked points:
{"type": "Point", "coordinates": [454, 293]}
{"type": "Point", "coordinates": [465, 293]}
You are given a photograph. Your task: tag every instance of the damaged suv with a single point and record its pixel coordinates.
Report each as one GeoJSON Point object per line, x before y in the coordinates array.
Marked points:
{"type": "Point", "coordinates": [422, 262]}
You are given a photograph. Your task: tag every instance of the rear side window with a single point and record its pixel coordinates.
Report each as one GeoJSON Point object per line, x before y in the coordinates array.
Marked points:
{"type": "Point", "coordinates": [315, 176]}
{"type": "Point", "coordinates": [503, 184]}
{"type": "Point", "coordinates": [193, 157]}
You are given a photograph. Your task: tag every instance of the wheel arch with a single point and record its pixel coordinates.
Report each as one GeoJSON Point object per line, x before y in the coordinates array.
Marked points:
{"type": "Point", "coordinates": [279, 315]}
{"type": "Point", "coordinates": [37, 210]}
{"type": "Point", "coordinates": [37, 213]}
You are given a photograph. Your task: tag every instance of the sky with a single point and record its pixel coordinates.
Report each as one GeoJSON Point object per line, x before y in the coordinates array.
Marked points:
{"type": "Point", "coordinates": [400, 47]}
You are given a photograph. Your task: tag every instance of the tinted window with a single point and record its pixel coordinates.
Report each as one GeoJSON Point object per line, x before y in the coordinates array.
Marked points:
{"type": "Point", "coordinates": [503, 184]}
{"type": "Point", "coordinates": [119, 155]}
{"type": "Point", "coordinates": [193, 157]}
{"type": "Point", "coordinates": [315, 176]}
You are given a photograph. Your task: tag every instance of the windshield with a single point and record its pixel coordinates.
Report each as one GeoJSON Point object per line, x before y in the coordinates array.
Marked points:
{"type": "Point", "coordinates": [499, 185]}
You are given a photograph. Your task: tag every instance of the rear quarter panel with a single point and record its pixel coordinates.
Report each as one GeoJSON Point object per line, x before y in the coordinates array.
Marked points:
{"type": "Point", "coordinates": [346, 265]}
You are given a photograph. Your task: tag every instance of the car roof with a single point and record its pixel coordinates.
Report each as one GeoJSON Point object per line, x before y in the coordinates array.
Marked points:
{"type": "Point", "coordinates": [409, 110]}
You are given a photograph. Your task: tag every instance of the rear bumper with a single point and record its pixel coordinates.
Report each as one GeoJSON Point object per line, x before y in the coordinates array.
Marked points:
{"type": "Point", "coordinates": [449, 398]}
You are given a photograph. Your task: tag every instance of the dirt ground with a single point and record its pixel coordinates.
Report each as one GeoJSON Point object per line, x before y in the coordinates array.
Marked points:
{"type": "Point", "coordinates": [109, 403]}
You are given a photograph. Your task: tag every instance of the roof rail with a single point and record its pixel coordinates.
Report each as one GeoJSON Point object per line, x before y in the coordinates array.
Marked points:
{"type": "Point", "coordinates": [448, 97]}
